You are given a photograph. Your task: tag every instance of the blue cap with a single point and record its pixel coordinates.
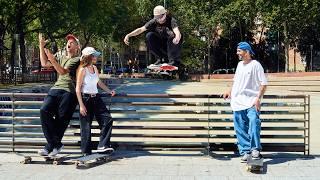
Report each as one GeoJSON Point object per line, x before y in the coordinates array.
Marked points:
{"type": "Point", "coordinates": [245, 46]}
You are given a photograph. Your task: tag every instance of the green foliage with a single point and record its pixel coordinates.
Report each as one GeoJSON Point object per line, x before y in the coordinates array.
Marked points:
{"type": "Point", "coordinates": [104, 23]}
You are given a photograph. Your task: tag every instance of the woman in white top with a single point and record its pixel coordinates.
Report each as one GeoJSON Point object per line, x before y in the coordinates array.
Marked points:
{"type": "Point", "coordinates": [91, 104]}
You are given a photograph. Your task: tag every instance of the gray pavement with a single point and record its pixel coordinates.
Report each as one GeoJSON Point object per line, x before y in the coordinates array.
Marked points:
{"type": "Point", "coordinates": [146, 166]}
{"type": "Point", "coordinates": [180, 165]}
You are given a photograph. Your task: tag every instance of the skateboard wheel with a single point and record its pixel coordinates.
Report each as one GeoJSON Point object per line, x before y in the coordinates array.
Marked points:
{"type": "Point", "coordinates": [27, 160]}
{"type": "Point", "coordinates": [87, 165]}
{"type": "Point", "coordinates": [55, 162]}
{"type": "Point", "coordinates": [248, 168]}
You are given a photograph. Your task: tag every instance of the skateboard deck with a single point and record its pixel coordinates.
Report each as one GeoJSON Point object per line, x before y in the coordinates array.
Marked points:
{"type": "Point", "coordinates": [164, 71]}
{"type": "Point", "coordinates": [162, 67]}
{"type": "Point", "coordinates": [167, 67]}
{"type": "Point", "coordinates": [254, 164]}
{"type": "Point", "coordinates": [56, 160]}
{"type": "Point", "coordinates": [92, 158]}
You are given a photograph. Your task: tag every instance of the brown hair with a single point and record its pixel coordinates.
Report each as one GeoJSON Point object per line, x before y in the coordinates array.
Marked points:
{"type": "Point", "coordinates": [86, 60]}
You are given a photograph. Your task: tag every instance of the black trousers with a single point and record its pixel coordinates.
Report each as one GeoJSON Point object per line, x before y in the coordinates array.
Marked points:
{"type": "Point", "coordinates": [164, 47]}
{"type": "Point", "coordinates": [95, 108]}
{"type": "Point", "coordinates": [55, 114]}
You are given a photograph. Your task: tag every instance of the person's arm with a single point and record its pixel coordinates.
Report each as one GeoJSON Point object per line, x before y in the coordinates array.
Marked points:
{"type": "Point", "coordinates": [257, 102]}
{"type": "Point", "coordinates": [177, 37]}
{"type": "Point", "coordinates": [43, 58]}
{"type": "Point", "coordinates": [80, 76]}
{"type": "Point", "coordinates": [135, 32]}
{"type": "Point", "coordinates": [227, 94]}
{"type": "Point", "coordinates": [103, 86]}
{"type": "Point", "coordinates": [55, 63]}
{"type": "Point", "coordinates": [262, 88]}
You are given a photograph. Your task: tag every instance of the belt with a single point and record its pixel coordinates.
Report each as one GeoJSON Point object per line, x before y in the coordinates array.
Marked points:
{"type": "Point", "coordinates": [89, 95]}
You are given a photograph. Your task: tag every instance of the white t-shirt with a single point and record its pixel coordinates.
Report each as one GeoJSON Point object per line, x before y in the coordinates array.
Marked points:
{"type": "Point", "coordinates": [246, 85]}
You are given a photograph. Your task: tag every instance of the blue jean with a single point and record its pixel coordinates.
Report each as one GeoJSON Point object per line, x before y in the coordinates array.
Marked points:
{"type": "Point", "coordinates": [247, 125]}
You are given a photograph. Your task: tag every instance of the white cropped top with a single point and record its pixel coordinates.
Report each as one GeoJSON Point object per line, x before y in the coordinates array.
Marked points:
{"type": "Point", "coordinates": [90, 81]}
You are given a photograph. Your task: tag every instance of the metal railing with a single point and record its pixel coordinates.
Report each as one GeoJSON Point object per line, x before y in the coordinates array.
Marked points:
{"type": "Point", "coordinates": [163, 121]}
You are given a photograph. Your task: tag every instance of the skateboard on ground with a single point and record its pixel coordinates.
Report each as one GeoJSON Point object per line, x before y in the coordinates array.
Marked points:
{"type": "Point", "coordinates": [56, 160]}
{"type": "Point", "coordinates": [254, 164]}
{"type": "Point", "coordinates": [86, 161]}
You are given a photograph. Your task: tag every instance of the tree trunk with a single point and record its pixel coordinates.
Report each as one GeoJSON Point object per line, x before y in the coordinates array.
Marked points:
{"type": "Point", "coordinates": [19, 30]}
{"type": "Point", "coordinates": [23, 52]}
{"type": "Point", "coordinates": [286, 46]}
{"type": "Point", "coordinates": [2, 64]}
{"type": "Point", "coordinates": [12, 56]}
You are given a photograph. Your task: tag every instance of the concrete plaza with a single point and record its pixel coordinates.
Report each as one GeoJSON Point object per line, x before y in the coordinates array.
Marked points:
{"type": "Point", "coordinates": [185, 165]}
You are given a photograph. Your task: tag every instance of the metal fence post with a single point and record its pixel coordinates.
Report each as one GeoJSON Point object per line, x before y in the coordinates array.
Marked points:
{"type": "Point", "coordinates": [13, 121]}
{"type": "Point", "coordinates": [208, 145]}
{"type": "Point", "coordinates": [307, 125]}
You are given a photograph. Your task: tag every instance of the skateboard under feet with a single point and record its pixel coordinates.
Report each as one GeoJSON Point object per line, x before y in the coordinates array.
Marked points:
{"type": "Point", "coordinates": [87, 161]}
{"type": "Point", "coordinates": [254, 165]}
{"type": "Point", "coordinates": [56, 160]}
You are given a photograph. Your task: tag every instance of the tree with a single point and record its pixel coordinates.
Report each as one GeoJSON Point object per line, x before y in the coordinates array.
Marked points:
{"type": "Point", "coordinates": [290, 18]}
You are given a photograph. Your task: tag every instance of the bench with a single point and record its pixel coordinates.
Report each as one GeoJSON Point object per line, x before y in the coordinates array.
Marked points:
{"type": "Point", "coordinates": [158, 122]}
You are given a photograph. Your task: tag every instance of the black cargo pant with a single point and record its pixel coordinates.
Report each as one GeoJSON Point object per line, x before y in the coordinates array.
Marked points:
{"type": "Point", "coordinates": [164, 47]}
{"type": "Point", "coordinates": [95, 108]}
{"type": "Point", "coordinates": [56, 113]}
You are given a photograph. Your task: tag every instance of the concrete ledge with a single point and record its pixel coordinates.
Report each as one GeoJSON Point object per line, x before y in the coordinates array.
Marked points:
{"type": "Point", "coordinates": [199, 77]}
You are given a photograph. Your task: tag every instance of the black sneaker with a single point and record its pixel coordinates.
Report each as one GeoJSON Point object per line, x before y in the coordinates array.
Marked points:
{"type": "Point", "coordinates": [157, 62]}
{"type": "Point", "coordinates": [174, 63]}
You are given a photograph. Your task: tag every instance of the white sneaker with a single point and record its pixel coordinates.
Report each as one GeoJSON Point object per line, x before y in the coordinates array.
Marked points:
{"type": "Point", "coordinates": [56, 151]}
{"type": "Point", "coordinates": [245, 157]}
{"type": "Point", "coordinates": [105, 150]}
{"type": "Point", "coordinates": [255, 154]}
{"type": "Point", "coordinates": [43, 152]}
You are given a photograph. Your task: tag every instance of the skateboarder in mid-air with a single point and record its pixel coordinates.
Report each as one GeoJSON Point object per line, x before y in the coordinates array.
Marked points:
{"type": "Point", "coordinates": [249, 85]}
{"type": "Point", "coordinates": [163, 37]}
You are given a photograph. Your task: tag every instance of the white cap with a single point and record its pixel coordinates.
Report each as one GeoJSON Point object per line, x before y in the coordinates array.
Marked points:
{"type": "Point", "coordinates": [159, 10]}
{"type": "Point", "coordinates": [90, 51]}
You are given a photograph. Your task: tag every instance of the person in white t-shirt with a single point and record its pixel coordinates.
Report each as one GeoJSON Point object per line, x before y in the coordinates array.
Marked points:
{"type": "Point", "coordinates": [91, 104]}
{"type": "Point", "coordinates": [249, 85]}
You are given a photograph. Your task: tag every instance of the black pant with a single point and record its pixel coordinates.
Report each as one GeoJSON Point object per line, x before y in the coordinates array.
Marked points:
{"type": "Point", "coordinates": [95, 108]}
{"type": "Point", "coordinates": [56, 113]}
{"type": "Point", "coordinates": [164, 47]}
